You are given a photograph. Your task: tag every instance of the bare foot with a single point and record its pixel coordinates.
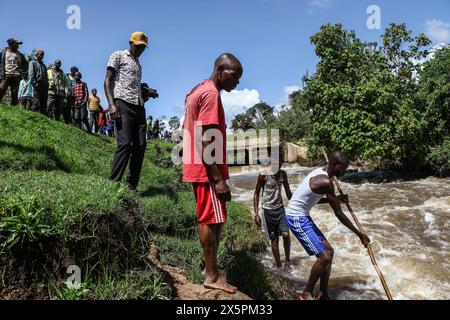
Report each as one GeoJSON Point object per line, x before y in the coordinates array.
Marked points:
{"type": "Point", "coordinates": [306, 296]}
{"type": "Point", "coordinates": [277, 267]}
{"type": "Point", "coordinates": [287, 267]}
{"type": "Point", "coordinates": [322, 296]}
{"type": "Point", "coordinates": [220, 284]}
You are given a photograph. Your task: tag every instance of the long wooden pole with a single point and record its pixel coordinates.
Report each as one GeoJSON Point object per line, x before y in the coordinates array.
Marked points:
{"type": "Point", "coordinates": [361, 229]}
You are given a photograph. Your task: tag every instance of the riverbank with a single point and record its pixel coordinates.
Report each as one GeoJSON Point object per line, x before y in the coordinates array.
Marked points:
{"type": "Point", "coordinates": [57, 209]}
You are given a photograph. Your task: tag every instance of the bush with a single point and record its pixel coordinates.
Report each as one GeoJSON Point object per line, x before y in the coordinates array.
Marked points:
{"type": "Point", "coordinates": [166, 216]}
{"type": "Point", "coordinates": [439, 158]}
{"type": "Point", "coordinates": [50, 220]}
{"type": "Point", "coordinates": [134, 285]}
{"type": "Point", "coordinates": [247, 273]}
{"type": "Point", "coordinates": [240, 232]}
{"type": "Point", "coordinates": [184, 254]}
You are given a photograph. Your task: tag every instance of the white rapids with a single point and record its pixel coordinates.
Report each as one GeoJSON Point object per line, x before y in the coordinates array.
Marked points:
{"type": "Point", "coordinates": [407, 222]}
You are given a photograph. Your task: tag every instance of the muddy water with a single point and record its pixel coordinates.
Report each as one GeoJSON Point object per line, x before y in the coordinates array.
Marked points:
{"type": "Point", "coordinates": [408, 223]}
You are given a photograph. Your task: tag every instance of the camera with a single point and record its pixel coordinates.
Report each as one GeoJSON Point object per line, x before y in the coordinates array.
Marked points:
{"type": "Point", "coordinates": [148, 92]}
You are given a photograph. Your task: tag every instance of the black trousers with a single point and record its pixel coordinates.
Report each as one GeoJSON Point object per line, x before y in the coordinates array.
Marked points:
{"type": "Point", "coordinates": [131, 129]}
{"type": "Point", "coordinates": [94, 116]}
{"type": "Point", "coordinates": [39, 101]}
{"type": "Point", "coordinates": [13, 84]}
{"type": "Point", "coordinates": [55, 106]}
{"type": "Point", "coordinates": [67, 109]}
{"type": "Point", "coordinates": [80, 115]}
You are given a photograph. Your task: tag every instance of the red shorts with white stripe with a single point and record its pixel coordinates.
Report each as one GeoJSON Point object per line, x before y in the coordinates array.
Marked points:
{"type": "Point", "coordinates": [210, 209]}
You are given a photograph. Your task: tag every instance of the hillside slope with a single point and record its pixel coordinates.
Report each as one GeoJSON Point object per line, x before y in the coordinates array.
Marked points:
{"type": "Point", "coordinates": [58, 209]}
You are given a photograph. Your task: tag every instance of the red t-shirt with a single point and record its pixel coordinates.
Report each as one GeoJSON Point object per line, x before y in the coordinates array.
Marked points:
{"type": "Point", "coordinates": [203, 106]}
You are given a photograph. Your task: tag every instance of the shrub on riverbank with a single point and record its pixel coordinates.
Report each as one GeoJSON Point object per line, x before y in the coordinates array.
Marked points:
{"type": "Point", "coordinates": [439, 158]}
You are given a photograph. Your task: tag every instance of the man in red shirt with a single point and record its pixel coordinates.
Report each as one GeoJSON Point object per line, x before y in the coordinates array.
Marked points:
{"type": "Point", "coordinates": [204, 160]}
{"type": "Point", "coordinates": [81, 100]}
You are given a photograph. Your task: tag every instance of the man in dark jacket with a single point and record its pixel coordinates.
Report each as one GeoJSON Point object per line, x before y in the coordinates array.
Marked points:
{"type": "Point", "coordinates": [13, 65]}
{"type": "Point", "coordinates": [37, 72]}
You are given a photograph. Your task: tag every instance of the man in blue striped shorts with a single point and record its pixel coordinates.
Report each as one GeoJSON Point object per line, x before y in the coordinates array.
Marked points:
{"type": "Point", "coordinates": [317, 184]}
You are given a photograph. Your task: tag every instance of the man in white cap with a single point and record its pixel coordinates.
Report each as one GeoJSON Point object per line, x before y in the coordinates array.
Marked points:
{"type": "Point", "coordinates": [13, 65]}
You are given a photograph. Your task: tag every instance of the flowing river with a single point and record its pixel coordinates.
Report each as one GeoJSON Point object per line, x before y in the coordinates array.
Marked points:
{"type": "Point", "coordinates": [407, 222]}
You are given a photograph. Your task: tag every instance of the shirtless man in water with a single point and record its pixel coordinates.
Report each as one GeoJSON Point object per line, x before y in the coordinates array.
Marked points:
{"type": "Point", "coordinates": [317, 184]}
{"type": "Point", "coordinates": [204, 160]}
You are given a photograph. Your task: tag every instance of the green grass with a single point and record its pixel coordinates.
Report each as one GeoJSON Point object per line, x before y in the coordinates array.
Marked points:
{"type": "Point", "coordinates": [57, 208]}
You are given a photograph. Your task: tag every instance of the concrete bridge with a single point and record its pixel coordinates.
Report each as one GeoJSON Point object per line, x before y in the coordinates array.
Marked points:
{"type": "Point", "coordinates": [252, 149]}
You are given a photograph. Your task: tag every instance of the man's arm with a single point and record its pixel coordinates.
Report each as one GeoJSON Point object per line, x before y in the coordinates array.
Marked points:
{"type": "Point", "coordinates": [212, 170]}
{"type": "Point", "coordinates": [335, 203]}
{"type": "Point", "coordinates": [286, 185]}
{"type": "Point", "coordinates": [259, 185]}
{"type": "Point", "coordinates": [86, 93]}
{"type": "Point", "coordinates": [110, 74]}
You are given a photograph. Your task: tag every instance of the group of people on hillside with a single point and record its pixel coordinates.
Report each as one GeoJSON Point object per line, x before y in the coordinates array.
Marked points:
{"type": "Point", "coordinates": [156, 130]}
{"type": "Point", "coordinates": [50, 91]}
{"type": "Point", "coordinates": [203, 158]}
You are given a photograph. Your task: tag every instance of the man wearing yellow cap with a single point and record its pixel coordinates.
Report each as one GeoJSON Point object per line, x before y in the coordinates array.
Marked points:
{"type": "Point", "coordinates": [126, 107]}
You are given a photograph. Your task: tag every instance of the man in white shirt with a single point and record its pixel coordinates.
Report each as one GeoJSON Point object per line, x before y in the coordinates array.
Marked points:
{"type": "Point", "coordinates": [317, 184]}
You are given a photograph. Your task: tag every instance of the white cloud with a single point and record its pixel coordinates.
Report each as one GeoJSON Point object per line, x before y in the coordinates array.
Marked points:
{"type": "Point", "coordinates": [288, 90]}
{"type": "Point", "coordinates": [321, 4]}
{"type": "Point", "coordinates": [431, 54]}
{"type": "Point", "coordinates": [178, 111]}
{"type": "Point", "coordinates": [238, 101]}
{"type": "Point", "coordinates": [438, 30]}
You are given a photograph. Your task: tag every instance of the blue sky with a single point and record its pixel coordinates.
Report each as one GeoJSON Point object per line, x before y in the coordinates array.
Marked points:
{"type": "Point", "coordinates": [271, 37]}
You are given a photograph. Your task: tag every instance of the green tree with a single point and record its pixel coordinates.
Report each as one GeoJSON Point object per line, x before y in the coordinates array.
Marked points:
{"type": "Point", "coordinates": [434, 103]}
{"type": "Point", "coordinates": [294, 119]}
{"type": "Point", "coordinates": [260, 116]}
{"type": "Point", "coordinates": [362, 100]}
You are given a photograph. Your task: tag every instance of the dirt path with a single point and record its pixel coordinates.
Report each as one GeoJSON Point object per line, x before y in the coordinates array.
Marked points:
{"type": "Point", "coordinates": [185, 290]}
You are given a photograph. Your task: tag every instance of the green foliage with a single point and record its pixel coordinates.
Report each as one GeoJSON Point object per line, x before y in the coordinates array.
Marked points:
{"type": "Point", "coordinates": [186, 254]}
{"type": "Point", "coordinates": [134, 285]}
{"type": "Point", "coordinates": [57, 208]}
{"type": "Point", "coordinates": [59, 199]}
{"type": "Point", "coordinates": [23, 221]}
{"type": "Point", "coordinates": [363, 101]}
{"type": "Point", "coordinates": [293, 121]}
{"type": "Point", "coordinates": [255, 281]}
{"type": "Point", "coordinates": [240, 232]}
{"type": "Point", "coordinates": [439, 158]}
{"type": "Point", "coordinates": [434, 96]}
{"type": "Point", "coordinates": [168, 216]}
{"type": "Point", "coordinates": [260, 116]}
{"type": "Point", "coordinates": [38, 143]}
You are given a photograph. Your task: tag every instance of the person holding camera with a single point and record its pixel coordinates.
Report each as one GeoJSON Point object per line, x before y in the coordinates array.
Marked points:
{"type": "Point", "coordinates": [126, 107]}
{"type": "Point", "coordinates": [204, 161]}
